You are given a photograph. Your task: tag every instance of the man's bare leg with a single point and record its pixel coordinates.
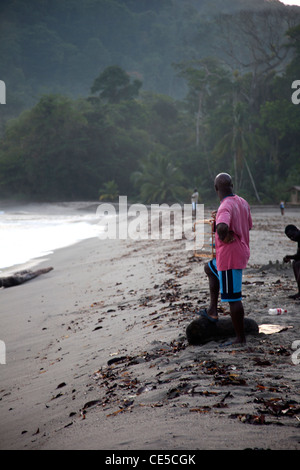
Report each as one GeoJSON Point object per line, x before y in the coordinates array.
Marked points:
{"type": "Point", "coordinates": [237, 317]}
{"type": "Point", "coordinates": [296, 269]}
{"type": "Point", "coordinates": [214, 287]}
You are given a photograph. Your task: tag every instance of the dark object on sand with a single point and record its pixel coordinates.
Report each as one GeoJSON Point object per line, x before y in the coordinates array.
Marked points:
{"type": "Point", "coordinates": [201, 330]}
{"type": "Point", "coordinates": [21, 277]}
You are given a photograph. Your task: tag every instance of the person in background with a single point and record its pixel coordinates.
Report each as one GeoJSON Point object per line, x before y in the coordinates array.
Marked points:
{"type": "Point", "coordinates": [233, 222]}
{"type": "Point", "coordinates": [194, 200]}
{"type": "Point", "coordinates": [293, 233]}
{"type": "Point", "coordinates": [282, 207]}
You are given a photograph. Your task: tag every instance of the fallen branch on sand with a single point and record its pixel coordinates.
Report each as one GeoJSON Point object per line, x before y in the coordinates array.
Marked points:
{"type": "Point", "coordinates": [21, 277]}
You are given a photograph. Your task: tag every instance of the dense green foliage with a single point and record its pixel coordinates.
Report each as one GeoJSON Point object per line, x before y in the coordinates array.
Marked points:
{"type": "Point", "coordinates": [61, 46]}
{"type": "Point", "coordinates": [148, 99]}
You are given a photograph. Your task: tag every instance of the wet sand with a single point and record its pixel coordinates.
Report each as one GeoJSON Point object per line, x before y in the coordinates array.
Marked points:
{"type": "Point", "coordinates": [97, 356]}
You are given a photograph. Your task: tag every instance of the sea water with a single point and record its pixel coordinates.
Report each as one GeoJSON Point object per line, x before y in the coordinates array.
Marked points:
{"type": "Point", "coordinates": [28, 232]}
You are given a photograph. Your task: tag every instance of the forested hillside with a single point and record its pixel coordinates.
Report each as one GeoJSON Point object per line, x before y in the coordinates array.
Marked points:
{"type": "Point", "coordinates": [61, 46]}
{"type": "Point", "coordinates": [148, 98]}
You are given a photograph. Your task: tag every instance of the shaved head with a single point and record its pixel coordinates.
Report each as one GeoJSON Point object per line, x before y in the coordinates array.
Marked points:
{"type": "Point", "coordinates": [223, 184]}
{"type": "Point", "coordinates": [223, 180]}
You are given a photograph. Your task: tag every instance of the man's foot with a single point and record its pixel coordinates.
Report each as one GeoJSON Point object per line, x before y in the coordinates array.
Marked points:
{"type": "Point", "coordinates": [239, 341]}
{"type": "Point", "coordinates": [235, 342]}
{"type": "Point", "coordinates": [206, 315]}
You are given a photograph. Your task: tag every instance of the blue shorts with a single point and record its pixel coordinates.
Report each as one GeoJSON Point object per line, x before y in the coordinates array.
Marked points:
{"type": "Point", "coordinates": [230, 282]}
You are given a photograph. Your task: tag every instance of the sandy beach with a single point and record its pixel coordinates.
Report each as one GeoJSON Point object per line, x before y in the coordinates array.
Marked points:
{"type": "Point", "coordinates": [97, 355]}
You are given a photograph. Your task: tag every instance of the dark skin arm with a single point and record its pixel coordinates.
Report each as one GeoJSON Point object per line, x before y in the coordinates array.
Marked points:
{"type": "Point", "coordinates": [295, 257]}
{"type": "Point", "coordinates": [225, 235]}
{"type": "Point", "coordinates": [294, 235]}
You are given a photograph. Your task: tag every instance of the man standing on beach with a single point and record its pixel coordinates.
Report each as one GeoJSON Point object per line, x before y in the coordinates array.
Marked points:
{"type": "Point", "coordinates": [293, 233]}
{"type": "Point", "coordinates": [233, 223]}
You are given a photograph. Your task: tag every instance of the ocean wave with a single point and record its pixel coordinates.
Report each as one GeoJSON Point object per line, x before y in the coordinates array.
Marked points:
{"type": "Point", "coordinates": [34, 231]}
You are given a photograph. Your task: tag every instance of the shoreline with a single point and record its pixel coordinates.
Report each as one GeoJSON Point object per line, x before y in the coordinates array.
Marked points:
{"type": "Point", "coordinates": [97, 356]}
{"type": "Point", "coordinates": [33, 231]}
{"type": "Point", "coordinates": [88, 207]}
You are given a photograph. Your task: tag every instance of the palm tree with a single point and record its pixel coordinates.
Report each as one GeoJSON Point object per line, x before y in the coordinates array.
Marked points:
{"type": "Point", "coordinates": [109, 192]}
{"type": "Point", "coordinates": [240, 142]}
{"type": "Point", "coordinates": [159, 180]}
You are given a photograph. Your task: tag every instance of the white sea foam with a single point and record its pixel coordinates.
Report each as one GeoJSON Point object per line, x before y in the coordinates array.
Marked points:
{"type": "Point", "coordinates": [33, 231]}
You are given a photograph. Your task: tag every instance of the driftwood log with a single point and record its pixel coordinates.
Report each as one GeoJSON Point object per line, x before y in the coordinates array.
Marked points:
{"type": "Point", "coordinates": [202, 330]}
{"type": "Point", "coordinates": [22, 276]}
